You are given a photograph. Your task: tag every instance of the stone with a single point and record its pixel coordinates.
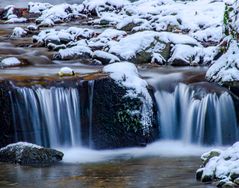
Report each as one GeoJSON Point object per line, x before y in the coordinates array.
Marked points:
{"type": "Point", "coordinates": [199, 173]}
{"type": "Point", "coordinates": [229, 184]}
{"type": "Point", "coordinates": [110, 117]}
{"type": "Point", "coordinates": [66, 71]}
{"type": "Point", "coordinates": [27, 154]}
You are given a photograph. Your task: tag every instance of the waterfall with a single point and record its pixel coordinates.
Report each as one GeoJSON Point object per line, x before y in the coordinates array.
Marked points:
{"type": "Point", "coordinates": [48, 117]}
{"type": "Point", "coordinates": [91, 95]}
{"type": "Point", "coordinates": [210, 119]}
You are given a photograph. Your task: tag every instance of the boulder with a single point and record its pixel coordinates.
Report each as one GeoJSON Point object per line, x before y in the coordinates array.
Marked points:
{"type": "Point", "coordinates": [113, 126]}
{"type": "Point", "coordinates": [29, 154]}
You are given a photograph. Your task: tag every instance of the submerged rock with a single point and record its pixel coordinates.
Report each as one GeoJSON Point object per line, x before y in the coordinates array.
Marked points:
{"type": "Point", "coordinates": [29, 154]}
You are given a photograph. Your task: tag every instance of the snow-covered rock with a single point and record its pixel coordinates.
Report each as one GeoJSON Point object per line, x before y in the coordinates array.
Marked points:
{"type": "Point", "coordinates": [66, 71]}
{"type": "Point", "coordinates": [95, 7]}
{"type": "Point", "coordinates": [226, 68]}
{"type": "Point", "coordinates": [221, 165]}
{"type": "Point", "coordinates": [74, 52]}
{"type": "Point", "coordinates": [24, 153]}
{"type": "Point", "coordinates": [18, 32]}
{"type": "Point", "coordinates": [140, 47]}
{"type": "Point", "coordinates": [63, 36]}
{"type": "Point", "coordinates": [60, 13]}
{"type": "Point", "coordinates": [104, 57]}
{"type": "Point", "coordinates": [10, 15]}
{"type": "Point", "coordinates": [192, 55]}
{"type": "Point", "coordinates": [126, 75]}
{"type": "Point", "coordinates": [10, 61]}
{"type": "Point", "coordinates": [38, 8]}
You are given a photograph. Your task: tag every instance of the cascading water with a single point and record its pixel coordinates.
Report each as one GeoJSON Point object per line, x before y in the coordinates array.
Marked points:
{"type": "Point", "coordinates": [209, 119]}
{"type": "Point", "coordinates": [52, 114]}
{"type": "Point", "coordinates": [91, 93]}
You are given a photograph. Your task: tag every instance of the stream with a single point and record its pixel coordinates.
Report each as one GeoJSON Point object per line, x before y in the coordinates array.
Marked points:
{"type": "Point", "coordinates": [176, 172]}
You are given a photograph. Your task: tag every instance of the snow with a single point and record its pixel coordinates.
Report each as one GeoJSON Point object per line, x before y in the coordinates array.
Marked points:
{"type": "Point", "coordinates": [66, 71]}
{"type": "Point", "coordinates": [105, 55]}
{"type": "Point", "coordinates": [191, 30]}
{"type": "Point", "coordinates": [193, 55]}
{"type": "Point", "coordinates": [16, 20]}
{"type": "Point", "coordinates": [223, 166]}
{"type": "Point", "coordinates": [226, 68]}
{"type": "Point", "coordinates": [101, 5]}
{"type": "Point", "coordinates": [19, 146]}
{"type": "Point", "coordinates": [18, 32]}
{"type": "Point", "coordinates": [147, 41]}
{"type": "Point", "coordinates": [126, 75]}
{"type": "Point", "coordinates": [112, 34]}
{"type": "Point", "coordinates": [11, 61]}
{"type": "Point", "coordinates": [74, 52]}
{"type": "Point", "coordinates": [38, 8]}
{"type": "Point", "coordinates": [11, 17]}
{"type": "Point", "coordinates": [60, 13]}
{"type": "Point", "coordinates": [64, 35]}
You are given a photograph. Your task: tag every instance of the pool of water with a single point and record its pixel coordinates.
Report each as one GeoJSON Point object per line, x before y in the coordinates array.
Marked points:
{"type": "Point", "coordinates": [145, 172]}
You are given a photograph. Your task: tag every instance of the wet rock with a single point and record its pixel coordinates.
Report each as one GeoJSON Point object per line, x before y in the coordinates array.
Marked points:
{"type": "Point", "coordinates": [206, 178]}
{"type": "Point", "coordinates": [55, 47]}
{"type": "Point", "coordinates": [236, 181]}
{"type": "Point", "coordinates": [111, 115]}
{"type": "Point", "coordinates": [29, 154]}
{"type": "Point", "coordinates": [199, 173]}
{"type": "Point", "coordinates": [229, 184]}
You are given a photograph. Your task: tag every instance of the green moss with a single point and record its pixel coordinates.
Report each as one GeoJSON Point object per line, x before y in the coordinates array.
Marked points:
{"type": "Point", "coordinates": [129, 114]}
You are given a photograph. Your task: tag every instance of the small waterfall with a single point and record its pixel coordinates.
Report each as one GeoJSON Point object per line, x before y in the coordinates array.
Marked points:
{"type": "Point", "coordinates": [52, 116]}
{"type": "Point", "coordinates": [209, 120]}
{"type": "Point", "coordinates": [91, 95]}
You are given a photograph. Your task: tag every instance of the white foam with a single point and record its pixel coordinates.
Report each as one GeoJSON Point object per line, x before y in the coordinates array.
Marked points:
{"type": "Point", "coordinates": [160, 148]}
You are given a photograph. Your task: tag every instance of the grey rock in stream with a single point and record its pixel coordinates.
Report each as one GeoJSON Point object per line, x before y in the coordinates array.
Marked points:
{"type": "Point", "coordinates": [24, 153]}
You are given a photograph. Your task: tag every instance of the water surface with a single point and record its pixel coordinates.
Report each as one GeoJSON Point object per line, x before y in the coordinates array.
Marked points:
{"type": "Point", "coordinates": [133, 173]}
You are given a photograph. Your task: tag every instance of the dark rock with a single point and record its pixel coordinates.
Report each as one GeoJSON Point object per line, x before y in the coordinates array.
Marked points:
{"type": "Point", "coordinates": [112, 124]}
{"type": "Point", "coordinates": [113, 127]}
{"type": "Point", "coordinates": [199, 174]}
{"type": "Point", "coordinates": [207, 179]}
{"type": "Point", "coordinates": [28, 154]}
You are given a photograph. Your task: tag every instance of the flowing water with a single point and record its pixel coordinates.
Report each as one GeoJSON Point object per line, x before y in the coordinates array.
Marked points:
{"type": "Point", "coordinates": [185, 113]}
{"type": "Point", "coordinates": [210, 119]}
{"type": "Point", "coordinates": [189, 119]}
